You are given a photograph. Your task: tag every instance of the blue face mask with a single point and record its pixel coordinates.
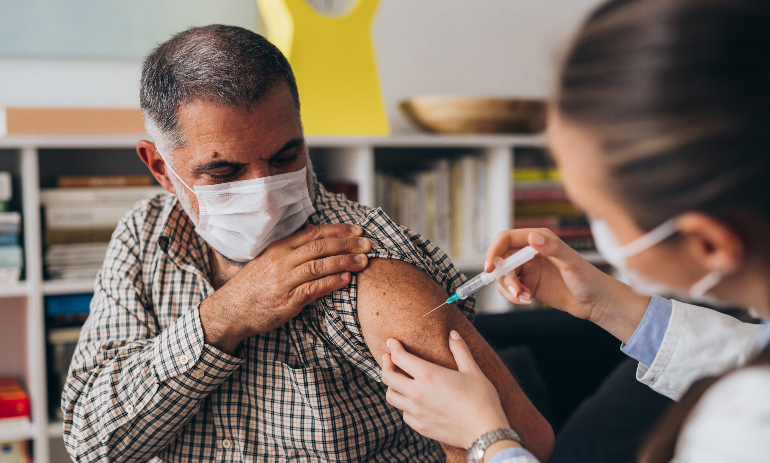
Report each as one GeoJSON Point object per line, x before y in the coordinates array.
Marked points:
{"type": "Point", "coordinates": [616, 255]}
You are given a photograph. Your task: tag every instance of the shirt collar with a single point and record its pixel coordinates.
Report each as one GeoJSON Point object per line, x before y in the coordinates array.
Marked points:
{"type": "Point", "coordinates": [179, 241]}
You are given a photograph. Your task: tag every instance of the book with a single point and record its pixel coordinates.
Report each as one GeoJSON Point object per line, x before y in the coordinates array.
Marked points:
{"type": "Point", "coordinates": [78, 217]}
{"type": "Point", "coordinates": [78, 235]}
{"type": "Point", "coordinates": [71, 121]}
{"type": "Point", "coordinates": [14, 401]}
{"type": "Point", "coordinates": [343, 187]}
{"type": "Point", "coordinates": [9, 275]}
{"type": "Point", "coordinates": [111, 195]}
{"type": "Point", "coordinates": [5, 186]}
{"type": "Point", "coordinates": [540, 191]}
{"type": "Point", "coordinates": [7, 239]}
{"type": "Point", "coordinates": [11, 256]}
{"type": "Point", "coordinates": [67, 304]}
{"type": "Point", "coordinates": [441, 229]}
{"type": "Point", "coordinates": [74, 181]}
{"type": "Point", "coordinates": [10, 223]}
{"type": "Point", "coordinates": [561, 208]}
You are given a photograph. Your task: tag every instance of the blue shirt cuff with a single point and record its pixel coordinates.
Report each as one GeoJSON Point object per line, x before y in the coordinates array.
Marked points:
{"type": "Point", "coordinates": [645, 343]}
{"type": "Point", "coordinates": [511, 452]}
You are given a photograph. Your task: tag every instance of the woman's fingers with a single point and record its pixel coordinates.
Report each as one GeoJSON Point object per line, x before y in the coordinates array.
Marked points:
{"type": "Point", "coordinates": [398, 400]}
{"type": "Point", "coordinates": [411, 364]}
{"type": "Point", "coordinates": [393, 378]}
{"type": "Point", "coordinates": [462, 354]}
{"type": "Point", "coordinates": [505, 242]}
{"type": "Point", "coordinates": [547, 244]}
{"type": "Point", "coordinates": [515, 291]}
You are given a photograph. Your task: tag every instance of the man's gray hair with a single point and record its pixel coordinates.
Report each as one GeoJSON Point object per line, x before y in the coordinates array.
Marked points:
{"type": "Point", "coordinates": [216, 64]}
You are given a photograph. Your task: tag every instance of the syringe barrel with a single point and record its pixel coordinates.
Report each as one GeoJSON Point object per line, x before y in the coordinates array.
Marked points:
{"type": "Point", "coordinates": [474, 285]}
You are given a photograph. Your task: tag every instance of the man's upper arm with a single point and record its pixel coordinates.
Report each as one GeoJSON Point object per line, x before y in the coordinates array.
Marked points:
{"type": "Point", "coordinates": [392, 298]}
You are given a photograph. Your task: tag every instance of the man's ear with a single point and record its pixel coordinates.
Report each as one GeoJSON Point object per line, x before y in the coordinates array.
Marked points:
{"type": "Point", "coordinates": [712, 242]}
{"type": "Point", "coordinates": [150, 156]}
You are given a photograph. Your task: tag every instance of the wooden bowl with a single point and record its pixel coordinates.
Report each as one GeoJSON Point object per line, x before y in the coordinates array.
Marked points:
{"type": "Point", "coordinates": [470, 114]}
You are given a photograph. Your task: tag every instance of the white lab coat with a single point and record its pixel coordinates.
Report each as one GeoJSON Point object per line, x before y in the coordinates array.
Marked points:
{"type": "Point", "coordinates": [731, 423]}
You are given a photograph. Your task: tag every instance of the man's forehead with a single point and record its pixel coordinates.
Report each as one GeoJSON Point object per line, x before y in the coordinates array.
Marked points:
{"type": "Point", "coordinates": [214, 130]}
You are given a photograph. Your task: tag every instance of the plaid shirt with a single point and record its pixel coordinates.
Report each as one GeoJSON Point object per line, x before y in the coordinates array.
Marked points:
{"type": "Point", "coordinates": [144, 385]}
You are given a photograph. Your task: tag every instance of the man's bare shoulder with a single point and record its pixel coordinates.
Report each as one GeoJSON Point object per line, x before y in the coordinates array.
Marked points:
{"type": "Point", "coordinates": [392, 298]}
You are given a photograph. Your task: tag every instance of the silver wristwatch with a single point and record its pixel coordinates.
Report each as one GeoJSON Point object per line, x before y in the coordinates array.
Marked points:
{"type": "Point", "coordinates": [476, 450]}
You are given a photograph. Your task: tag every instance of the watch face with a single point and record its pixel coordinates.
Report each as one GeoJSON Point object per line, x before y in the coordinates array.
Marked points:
{"type": "Point", "coordinates": [333, 7]}
{"type": "Point", "coordinates": [476, 452]}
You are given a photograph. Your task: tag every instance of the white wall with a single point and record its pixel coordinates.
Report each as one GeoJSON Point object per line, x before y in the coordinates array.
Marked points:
{"type": "Point", "coordinates": [489, 47]}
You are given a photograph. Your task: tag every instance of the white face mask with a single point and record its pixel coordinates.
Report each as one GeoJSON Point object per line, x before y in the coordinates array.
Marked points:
{"type": "Point", "coordinates": [616, 256]}
{"type": "Point", "coordinates": [240, 219]}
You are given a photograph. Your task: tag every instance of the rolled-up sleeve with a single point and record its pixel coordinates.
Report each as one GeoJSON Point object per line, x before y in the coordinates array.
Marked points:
{"type": "Point", "coordinates": [132, 387]}
{"type": "Point", "coordinates": [698, 342]}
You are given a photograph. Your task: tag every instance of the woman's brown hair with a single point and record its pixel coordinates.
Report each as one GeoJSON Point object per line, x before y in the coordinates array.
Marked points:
{"type": "Point", "coordinates": [677, 92]}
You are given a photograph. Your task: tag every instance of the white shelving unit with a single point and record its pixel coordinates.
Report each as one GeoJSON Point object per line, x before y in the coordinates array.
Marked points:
{"type": "Point", "coordinates": [335, 158]}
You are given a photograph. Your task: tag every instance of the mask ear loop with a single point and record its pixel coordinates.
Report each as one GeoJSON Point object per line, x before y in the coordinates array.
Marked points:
{"type": "Point", "coordinates": [650, 239]}
{"type": "Point", "coordinates": [168, 166]}
{"type": "Point", "coordinates": [706, 283]}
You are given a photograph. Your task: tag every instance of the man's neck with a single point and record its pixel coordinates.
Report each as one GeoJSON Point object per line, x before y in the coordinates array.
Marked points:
{"type": "Point", "coordinates": [222, 269]}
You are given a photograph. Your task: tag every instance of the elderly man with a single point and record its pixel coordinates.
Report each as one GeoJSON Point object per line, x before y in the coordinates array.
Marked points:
{"type": "Point", "coordinates": [218, 331]}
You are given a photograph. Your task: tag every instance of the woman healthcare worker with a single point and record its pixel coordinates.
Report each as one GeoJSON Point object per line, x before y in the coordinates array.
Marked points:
{"type": "Point", "coordinates": [661, 131]}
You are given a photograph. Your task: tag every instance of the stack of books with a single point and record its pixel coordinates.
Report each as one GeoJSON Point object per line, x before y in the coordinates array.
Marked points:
{"type": "Point", "coordinates": [80, 216]}
{"type": "Point", "coordinates": [14, 412]}
{"type": "Point", "coordinates": [541, 202]}
{"type": "Point", "coordinates": [65, 316]}
{"type": "Point", "coordinates": [11, 255]}
{"type": "Point", "coordinates": [446, 203]}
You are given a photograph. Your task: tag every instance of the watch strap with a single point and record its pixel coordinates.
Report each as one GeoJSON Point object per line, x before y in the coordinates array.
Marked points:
{"type": "Point", "coordinates": [480, 445]}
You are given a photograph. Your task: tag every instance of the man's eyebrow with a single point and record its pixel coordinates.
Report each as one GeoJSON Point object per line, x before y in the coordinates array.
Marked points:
{"type": "Point", "coordinates": [286, 147]}
{"type": "Point", "coordinates": [216, 164]}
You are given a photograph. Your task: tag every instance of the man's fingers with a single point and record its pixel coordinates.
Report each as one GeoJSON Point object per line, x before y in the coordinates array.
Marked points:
{"type": "Point", "coordinates": [462, 354]}
{"type": "Point", "coordinates": [320, 268]}
{"type": "Point", "coordinates": [308, 292]}
{"type": "Point", "coordinates": [411, 364]}
{"type": "Point", "coordinates": [315, 232]}
{"type": "Point", "coordinates": [326, 247]}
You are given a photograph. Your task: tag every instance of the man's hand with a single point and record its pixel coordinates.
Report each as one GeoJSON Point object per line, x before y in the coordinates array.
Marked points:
{"type": "Point", "coordinates": [277, 284]}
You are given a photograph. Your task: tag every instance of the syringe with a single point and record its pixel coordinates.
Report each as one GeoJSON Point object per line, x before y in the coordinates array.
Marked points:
{"type": "Point", "coordinates": [484, 279]}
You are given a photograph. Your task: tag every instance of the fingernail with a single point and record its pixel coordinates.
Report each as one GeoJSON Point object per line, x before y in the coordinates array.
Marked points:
{"type": "Point", "coordinates": [525, 298]}
{"type": "Point", "coordinates": [537, 239]}
{"type": "Point", "coordinates": [486, 265]}
{"type": "Point", "coordinates": [454, 335]}
{"type": "Point", "coordinates": [387, 343]}
{"type": "Point", "coordinates": [512, 290]}
{"type": "Point", "coordinates": [355, 229]}
{"type": "Point", "coordinates": [345, 276]}
{"type": "Point", "coordinates": [363, 243]}
{"type": "Point", "coordinates": [360, 258]}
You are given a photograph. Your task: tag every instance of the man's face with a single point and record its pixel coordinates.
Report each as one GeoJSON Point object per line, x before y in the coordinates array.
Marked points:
{"type": "Point", "coordinates": [224, 144]}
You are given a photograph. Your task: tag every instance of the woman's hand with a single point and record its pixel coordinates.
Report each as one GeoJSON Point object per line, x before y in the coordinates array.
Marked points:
{"type": "Point", "coordinates": [563, 279]}
{"type": "Point", "coordinates": [453, 407]}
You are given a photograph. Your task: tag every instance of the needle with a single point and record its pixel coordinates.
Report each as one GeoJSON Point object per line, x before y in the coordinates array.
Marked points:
{"type": "Point", "coordinates": [442, 304]}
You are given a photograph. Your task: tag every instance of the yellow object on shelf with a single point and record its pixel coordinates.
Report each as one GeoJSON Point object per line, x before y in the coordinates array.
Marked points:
{"type": "Point", "coordinates": [333, 62]}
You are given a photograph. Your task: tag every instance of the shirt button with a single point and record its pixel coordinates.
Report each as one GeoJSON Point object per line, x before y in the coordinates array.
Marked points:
{"type": "Point", "coordinates": [198, 373]}
{"type": "Point", "coordinates": [184, 359]}
{"type": "Point", "coordinates": [129, 409]}
{"type": "Point", "coordinates": [227, 444]}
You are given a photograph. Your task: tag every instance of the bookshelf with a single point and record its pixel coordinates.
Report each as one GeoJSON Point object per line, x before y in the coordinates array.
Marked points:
{"type": "Point", "coordinates": [34, 160]}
